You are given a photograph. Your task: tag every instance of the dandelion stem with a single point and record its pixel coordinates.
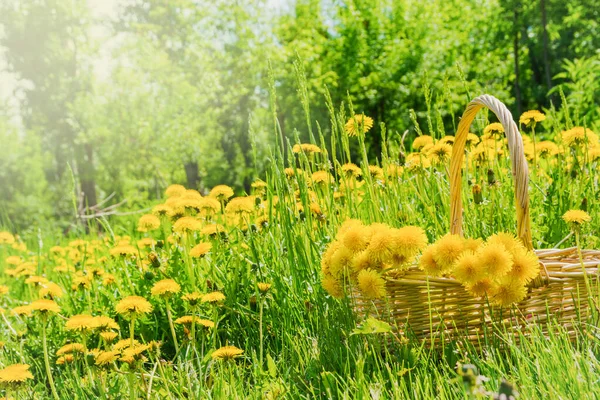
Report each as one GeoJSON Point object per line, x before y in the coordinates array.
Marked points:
{"type": "Point", "coordinates": [534, 152]}
{"type": "Point", "coordinates": [170, 318]}
{"type": "Point", "coordinates": [47, 360]}
{"type": "Point", "coordinates": [131, 330]}
{"type": "Point", "coordinates": [260, 331]}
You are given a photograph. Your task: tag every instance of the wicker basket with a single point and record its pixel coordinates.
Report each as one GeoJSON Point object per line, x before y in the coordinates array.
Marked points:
{"type": "Point", "coordinates": [437, 309]}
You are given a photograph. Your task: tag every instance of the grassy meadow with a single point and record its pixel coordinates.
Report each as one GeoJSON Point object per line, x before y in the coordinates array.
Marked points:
{"type": "Point", "coordinates": [229, 301]}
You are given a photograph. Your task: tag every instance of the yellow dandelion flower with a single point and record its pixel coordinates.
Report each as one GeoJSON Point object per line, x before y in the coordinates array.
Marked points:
{"type": "Point", "coordinates": [213, 297]}
{"type": "Point", "coordinates": [104, 323]}
{"type": "Point", "coordinates": [468, 269]}
{"type": "Point", "coordinates": [213, 229]}
{"type": "Point", "coordinates": [162, 210]}
{"type": "Point", "coordinates": [351, 170]}
{"type": "Point", "coordinates": [289, 172]}
{"type": "Point", "coordinates": [36, 280]}
{"type": "Point", "coordinates": [394, 171]}
{"type": "Point", "coordinates": [306, 148]}
{"type": "Point", "coordinates": [165, 287]}
{"type": "Point", "coordinates": [526, 266]}
{"type": "Point", "coordinates": [409, 240]}
{"type": "Point", "coordinates": [146, 242]}
{"type": "Point", "coordinates": [356, 238]}
{"type": "Point", "coordinates": [13, 260]}
{"type": "Point", "coordinates": [371, 284]}
{"type": "Point", "coordinates": [45, 306]}
{"type": "Point", "coordinates": [428, 263]}
{"type": "Point", "coordinates": [340, 261]}
{"type": "Point", "coordinates": [108, 336]}
{"type": "Point", "coordinates": [3, 290]}
{"type": "Point", "coordinates": [440, 153]}
{"type": "Point", "coordinates": [15, 374]}
{"type": "Point", "coordinates": [6, 238]}
{"type": "Point", "coordinates": [22, 310]}
{"type": "Point", "coordinates": [81, 282]}
{"type": "Point", "coordinates": [547, 148]}
{"type": "Point", "coordinates": [376, 172]}
{"type": "Point", "coordinates": [70, 348]}
{"type": "Point", "coordinates": [422, 141]}
{"type": "Point", "coordinates": [494, 128]}
{"type": "Point", "coordinates": [576, 217]}
{"type": "Point", "coordinates": [200, 250]}
{"type": "Point", "coordinates": [508, 240]}
{"type": "Point", "coordinates": [358, 124]}
{"type": "Point", "coordinates": [108, 279]}
{"type": "Point", "coordinates": [131, 354]}
{"type": "Point", "coordinates": [66, 359]}
{"type": "Point", "coordinates": [209, 205]}
{"type": "Point", "coordinates": [495, 260]}
{"type": "Point", "coordinates": [227, 353]}
{"type": "Point", "coordinates": [187, 224]}
{"type": "Point", "coordinates": [579, 136]}
{"type": "Point", "coordinates": [241, 205]}
{"type": "Point", "coordinates": [382, 243]}
{"type": "Point", "coordinates": [531, 116]}
{"type": "Point", "coordinates": [80, 323]}
{"type": "Point", "coordinates": [51, 290]}
{"type": "Point", "coordinates": [133, 306]}
{"type": "Point", "coordinates": [472, 244]}
{"type": "Point", "coordinates": [448, 139]}
{"type": "Point", "coordinates": [123, 344]}
{"type": "Point", "coordinates": [322, 177]}
{"type": "Point", "coordinates": [221, 192]}
{"type": "Point", "coordinates": [148, 222]}
{"type": "Point", "coordinates": [263, 287]}
{"type": "Point", "coordinates": [481, 288]}
{"type": "Point", "coordinates": [332, 286]}
{"type": "Point", "coordinates": [107, 357]}
{"type": "Point", "coordinates": [123, 251]}
{"type": "Point", "coordinates": [187, 320]}
{"type": "Point", "coordinates": [447, 250]}
{"type": "Point", "coordinates": [192, 298]}
{"type": "Point", "coordinates": [507, 293]}
{"type": "Point", "coordinates": [362, 260]}
{"type": "Point", "coordinates": [472, 140]}
{"type": "Point", "coordinates": [175, 190]}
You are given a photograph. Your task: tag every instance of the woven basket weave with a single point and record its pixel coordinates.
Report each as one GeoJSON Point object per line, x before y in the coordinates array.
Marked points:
{"type": "Point", "coordinates": [440, 308]}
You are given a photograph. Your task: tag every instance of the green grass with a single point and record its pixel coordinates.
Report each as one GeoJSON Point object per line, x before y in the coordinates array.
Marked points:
{"type": "Point", "coordinates": [309, 349]}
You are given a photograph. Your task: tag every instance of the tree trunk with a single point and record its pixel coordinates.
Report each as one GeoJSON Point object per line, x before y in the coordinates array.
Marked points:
{"type": "Point", "coordinates": [545, 39]}
{"type": "Point", "coordinates": [87, 175]}
{"type": "Point", "coordinates": [516, 57]}
{"type": "Point", "coordinates": [192, 175]}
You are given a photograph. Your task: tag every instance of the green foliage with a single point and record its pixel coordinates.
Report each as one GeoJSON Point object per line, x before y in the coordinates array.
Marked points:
{"type": "Point", "coordinates": [24, 196]}
{"type": "Point", "coordinates": [188, 80]}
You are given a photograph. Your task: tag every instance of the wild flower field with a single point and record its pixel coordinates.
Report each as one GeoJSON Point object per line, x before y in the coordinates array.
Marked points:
{"type": "Point", "coordinates": [229, 295]}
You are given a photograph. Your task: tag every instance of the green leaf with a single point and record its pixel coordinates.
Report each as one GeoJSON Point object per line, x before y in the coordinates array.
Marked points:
{"type": "Point", "coordinates": [372, 325]}
{"type": "Point", "coordinates": [271, 366]}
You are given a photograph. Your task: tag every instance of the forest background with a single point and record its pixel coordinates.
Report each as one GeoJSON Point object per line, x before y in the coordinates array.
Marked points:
{"type": "Point", "coordinates": [106, 103]}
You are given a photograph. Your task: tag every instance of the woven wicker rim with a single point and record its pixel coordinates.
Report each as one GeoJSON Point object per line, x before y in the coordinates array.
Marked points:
{"type": "Point", "coordinates": [520, 169]}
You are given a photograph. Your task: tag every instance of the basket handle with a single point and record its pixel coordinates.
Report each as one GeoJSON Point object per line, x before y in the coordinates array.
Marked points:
{"type": "Point", "coordinates": [520, 169]}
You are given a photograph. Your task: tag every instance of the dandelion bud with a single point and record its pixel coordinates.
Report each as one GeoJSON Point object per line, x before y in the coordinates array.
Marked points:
{"type": "Point", "coordinates": [491, 177]}
{"type": "Point", "coordinates": [401, 158]}
{"type": "Point", "coordinates": [148, 275]}
{"type": "Point", "coordinates": [477, 196]}
{"type": "Point", "coordinates": [154, 260]}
